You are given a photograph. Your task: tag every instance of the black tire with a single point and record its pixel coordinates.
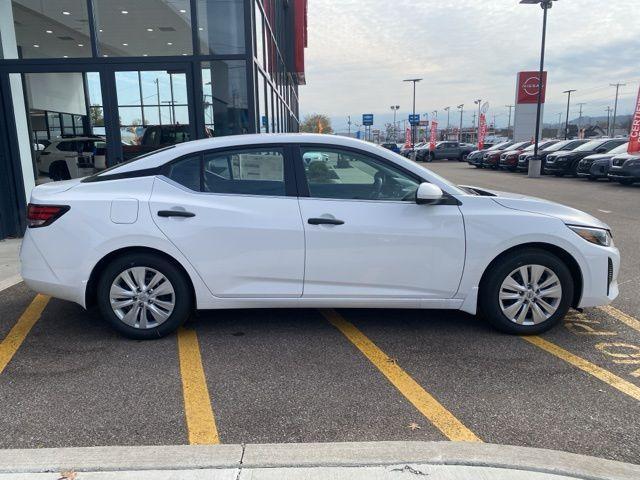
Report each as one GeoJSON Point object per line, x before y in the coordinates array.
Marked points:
{"type": "Point", "coordinates": [625, 182]}
{"type": "Point", "coordinates": [591, 179]}
{"type": "Point", "coordinates": [430, 158]}
{"type": "Point", "coordinates": [463, 157]}
{"type": "Point", "coordinates": [180, 283]}
{"type": "Point", "coordinates": [559, 175]}
{"type": "Point", "coordinates": [489, 290]}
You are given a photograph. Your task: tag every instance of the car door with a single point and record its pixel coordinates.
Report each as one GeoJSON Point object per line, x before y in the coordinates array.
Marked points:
{"type": "Point", "coordinates": [367, 237]}
{"type": "Point", "coordinates": [235, 216]}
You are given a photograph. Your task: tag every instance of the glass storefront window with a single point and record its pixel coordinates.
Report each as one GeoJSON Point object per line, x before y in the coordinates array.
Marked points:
{"type": "Point", "coordinates": [46, 29]}
{"type": "Point", "coordinates": [139, 28]}
{"type": "Point", "coordinates": [259, 54]}
{"type": "Point", "coordinates": [263, 121]}
{"type": "Point", "coordinates": [221, 27]}
{"type": "Point", "coordinates": [224, 86]}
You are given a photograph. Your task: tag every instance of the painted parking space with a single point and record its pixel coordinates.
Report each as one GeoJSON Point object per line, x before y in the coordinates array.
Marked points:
{"type": "Point", "coordinates": [265, 376]}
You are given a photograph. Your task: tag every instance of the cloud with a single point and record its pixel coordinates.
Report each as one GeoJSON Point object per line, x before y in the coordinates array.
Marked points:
{"type": "Point", "coordinates": [360, 51]}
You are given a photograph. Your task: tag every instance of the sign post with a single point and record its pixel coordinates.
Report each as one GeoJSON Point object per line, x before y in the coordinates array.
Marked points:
{"type": "Point", "coordinates": [367, 122]}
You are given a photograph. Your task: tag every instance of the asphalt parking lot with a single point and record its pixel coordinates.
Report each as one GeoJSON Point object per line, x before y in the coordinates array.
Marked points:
{"type": "Point", "coordinates": [264, 376]}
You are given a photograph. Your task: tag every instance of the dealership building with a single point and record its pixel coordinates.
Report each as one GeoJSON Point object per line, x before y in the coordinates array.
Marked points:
{"type": "Point", "coordinates": [84, 84]}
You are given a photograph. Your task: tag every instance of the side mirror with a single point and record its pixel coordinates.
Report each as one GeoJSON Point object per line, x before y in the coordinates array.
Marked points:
{"type": "Point", "coordinates": [428, 193]}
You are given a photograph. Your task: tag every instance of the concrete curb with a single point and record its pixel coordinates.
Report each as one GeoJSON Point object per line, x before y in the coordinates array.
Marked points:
{"type": "Point", "coordinates": [349, 454]}
{"type": "Point", "coordinates": [10, 282]}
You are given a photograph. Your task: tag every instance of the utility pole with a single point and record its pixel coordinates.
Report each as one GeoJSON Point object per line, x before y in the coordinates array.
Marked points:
{"type": "Point", "coordinates": [580, 114]}
{"type": "Point", "coordinates": [559, 124]}
{"type": "Point", "coordinates": [473, 125]}
{"type": "Point", "coordinates": [413, 127]}
{"type": "Point", "coordinates": [566, 125]}
{"type": "Point", "coordinates": [461, 108]}
{"type": "Point", "coordinates": [446, 109]}
{"type": "Point", "coordinates": [349, 124]}
{"type": "Point", "coordinates": [608, 121]}
{"type": "Point", "coordinates": [615, 106]}
{"type": "Point", "coordinates": [509, 124]}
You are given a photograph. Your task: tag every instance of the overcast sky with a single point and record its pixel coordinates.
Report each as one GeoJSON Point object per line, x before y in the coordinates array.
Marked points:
{"type": "Point", "coordinates": [361, 50]}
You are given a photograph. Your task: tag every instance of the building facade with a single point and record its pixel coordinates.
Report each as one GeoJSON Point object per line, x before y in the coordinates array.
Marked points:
{"type": "Point", "coordinates": [85, 84]}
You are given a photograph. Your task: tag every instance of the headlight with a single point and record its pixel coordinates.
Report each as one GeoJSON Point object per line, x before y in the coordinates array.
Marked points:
{"type": "Point", "coordinates": [599, 236]}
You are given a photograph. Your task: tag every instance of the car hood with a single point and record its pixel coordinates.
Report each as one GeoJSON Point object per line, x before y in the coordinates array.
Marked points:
{"type": "Point", "coordinates": [598, 156]}
{"type": "Point", "coordinates": [516, 201]}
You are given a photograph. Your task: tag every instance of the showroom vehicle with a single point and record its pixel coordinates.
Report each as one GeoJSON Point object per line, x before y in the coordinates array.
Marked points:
{"type": "Point", "coordinates": [444, 150]}
{"type": "Point", "coordinates": [475, 157]}
{"type": "Point", "coordinates": [407, 151]}
{"type": "Point", "coordinates": [564, 145]}
{"type": "Point", "coordinates": [566, 163]}
{"type": "Point", "coordinates": [492, 159]}
{"type": "Point", "coordinates": [625, 168]}
{"type": "Point", "coordinates": [597, 166]}
{"type": "Point", "coordinates": [72, 157]}
{"type": "Point", "coordinates": [509, 160]}
{"type": "Point", "coordinates": [242, 222]}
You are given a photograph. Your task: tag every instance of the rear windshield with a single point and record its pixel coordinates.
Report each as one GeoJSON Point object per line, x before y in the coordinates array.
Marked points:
{"type": "Point", "coordinates": [135, 159]}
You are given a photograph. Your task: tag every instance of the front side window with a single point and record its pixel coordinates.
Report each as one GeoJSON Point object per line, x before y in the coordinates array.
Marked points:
{"type": "Point", "coordinates": [343, 174]}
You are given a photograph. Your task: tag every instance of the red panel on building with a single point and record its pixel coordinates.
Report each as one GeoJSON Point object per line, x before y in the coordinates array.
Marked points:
{"type": "Point", "coordinates": [529, 85]}
{"type": "Point", "coordinates": [300, 35]}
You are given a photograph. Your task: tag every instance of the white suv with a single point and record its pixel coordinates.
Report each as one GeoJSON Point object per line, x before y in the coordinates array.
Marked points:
{"type": "Point", "coordinates": [72, 157]}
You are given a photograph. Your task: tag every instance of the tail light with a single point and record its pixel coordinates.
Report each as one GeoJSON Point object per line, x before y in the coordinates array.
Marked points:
{"type": "Point", "coordinates": [43, 215]}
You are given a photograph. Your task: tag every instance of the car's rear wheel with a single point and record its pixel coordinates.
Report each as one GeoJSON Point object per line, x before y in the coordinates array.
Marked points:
{"type": "Point", "coordinates": [144, 296]}
{"type": "Point", "coordinates": [463, 157]}
{"type": "Point", "coordinates": [527, 292]}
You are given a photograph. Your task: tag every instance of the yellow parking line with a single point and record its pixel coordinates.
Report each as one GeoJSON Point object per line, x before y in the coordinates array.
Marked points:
{"type": "Point", "coordinates": [600, 373]}
{"type": "Point", "coordinates": [621, 316]}
{"type": "Point", "coordinates": [20, 330]}
{"type": "Point", "coordinates": [201, 424]}
{"type": "Point", "coordinates": [426, 404]}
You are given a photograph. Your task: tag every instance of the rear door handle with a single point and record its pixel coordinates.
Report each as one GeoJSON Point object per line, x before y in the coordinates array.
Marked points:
{"type": "Point", "coordinates": [175, 213]}
{"type": "Point", "coordinates": [325, 221]}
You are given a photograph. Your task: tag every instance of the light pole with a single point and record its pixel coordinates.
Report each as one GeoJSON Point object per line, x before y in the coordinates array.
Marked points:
{"type": "Point", "coordinates": [446, 109]}
{"type": "Point", "coordinates": [615, 106]}
{"type": "Point", "coordinates": [608, 109]}
{"type": "Point", "coordinates": [535, 164]}
{"type": "Point", "coordinates": [413, 127]}
{"type": "Point", "coordinates": [509, 124]}
{"type": "Point", "coordinates": [566, 125]}
{"type": "Point", "coordinates": [395, 109]}
{"type": "Point", "coordinates": [461, 108]}
{"type": "Point", "coordinates": [479, 103]}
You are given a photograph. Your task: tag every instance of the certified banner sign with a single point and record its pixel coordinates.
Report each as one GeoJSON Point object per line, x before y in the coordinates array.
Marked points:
{"type": "Point", "coordinates": [434, 135]}
{"type": "Point", "coordinates": [634, 136]}
{"type": "Point", "coordinates": [407, 138]}
{"type": "Point", "coordinates": [482, 131]}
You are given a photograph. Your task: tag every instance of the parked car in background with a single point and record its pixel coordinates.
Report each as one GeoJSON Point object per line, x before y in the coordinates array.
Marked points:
{"type": "Point", "coordinates": [156, 137]}
{"type": "Point", "coordinates": [72, 157]}
{"type": "Point", "coordinates": [139, 238]}
{"type": "Point", "coordinates": [407, 151]}
{"type": "Point", "coordinates": [391, 146]}
{"type": "Point", "coordinates": [475, 157]}
{"type": "Point", "coordinates": [566, 163]}
{"type": "Point", "coordinates": [449, 150]}
{"type": "Point", "coordinates": [564, 145]}
{"type": "Point", "coordinates": [492, 159]}
{"type": "Point", "coordinates": [597, 166]}
{"type": "Point", "coordinates": [625, 168]}
{"type": "Point", "coordinates": [509, 160]}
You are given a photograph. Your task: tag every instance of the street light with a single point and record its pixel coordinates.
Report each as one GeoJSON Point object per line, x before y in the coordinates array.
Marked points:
{"type": "Point", "coordinates": [413, 127]}
{"type": "Point", "coordinates": [479, 103]}
{"type": "Point", "coordinates": [395, 109]}
{"type": "Point", "coordinates": [461, 108]}
{"type": "Point", "coordinates": [446, 109]}
{"type": "Point", "coordinates": [535, 164]}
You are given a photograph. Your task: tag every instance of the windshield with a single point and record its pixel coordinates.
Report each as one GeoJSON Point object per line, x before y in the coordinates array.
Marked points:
{"type": "Point", "coordinates": [620, 149]}
{"type": "Point", "coordinates": [558, 146]}
{"type": "Point", "coordinates": [516, 146]}
{"type": "Point", "coordinates": [500, 146]}
{"type": "Point", "coordinates": [590, 146]}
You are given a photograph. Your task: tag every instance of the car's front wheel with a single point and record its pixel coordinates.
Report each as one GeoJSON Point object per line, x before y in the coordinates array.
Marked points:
{"type": "Point", "coordinates": [527, 292]}
{"type": "Point", "coordinates": [144, 296]}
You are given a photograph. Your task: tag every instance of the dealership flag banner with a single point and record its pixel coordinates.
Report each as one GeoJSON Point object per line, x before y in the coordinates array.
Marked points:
{"type": "Point", "coordinates": [634, 136]}
{"type": "Point", "coordinates": [407, 138]}
{"type": "Point", "coordinates": [482, 131]}
{"type": "Point", "coordinates": [434, 135]}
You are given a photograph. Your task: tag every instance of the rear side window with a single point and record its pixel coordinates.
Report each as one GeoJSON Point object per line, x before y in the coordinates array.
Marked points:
{"type": "Point", "coordinates": [68, 146]}
{"type": "Point", "coordinates": [242, 172]}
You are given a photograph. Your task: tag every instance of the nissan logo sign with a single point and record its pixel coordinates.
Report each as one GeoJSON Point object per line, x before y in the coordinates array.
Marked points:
{"type": "Point", "coordinates": [531, 86]}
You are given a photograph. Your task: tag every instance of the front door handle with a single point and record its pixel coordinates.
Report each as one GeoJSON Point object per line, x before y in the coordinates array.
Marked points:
{"type": "Point", "coordinates": [325, 221]}
{"type": "Point", "coordinates": [175, 213]}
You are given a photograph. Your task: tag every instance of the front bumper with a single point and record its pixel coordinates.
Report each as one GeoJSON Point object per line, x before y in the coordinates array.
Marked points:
{"type": "Point", "coordinates": [600, 280]}
{"type": "Point", "coordinates": [624, 173]}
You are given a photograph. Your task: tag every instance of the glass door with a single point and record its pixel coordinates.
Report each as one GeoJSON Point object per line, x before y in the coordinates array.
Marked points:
{"type": "Point", "coordinates": [153, 109]}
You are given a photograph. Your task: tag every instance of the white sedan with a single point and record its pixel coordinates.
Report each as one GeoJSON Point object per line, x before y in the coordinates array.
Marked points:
{"type": "Point", "coordinates": [244, 222]}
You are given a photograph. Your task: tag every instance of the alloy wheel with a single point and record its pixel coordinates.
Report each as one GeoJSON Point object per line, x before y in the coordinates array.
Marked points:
{"type": "Point", "coordinates": [530, 294]}
{"type": "Point", "coordinates": [142, 297]}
